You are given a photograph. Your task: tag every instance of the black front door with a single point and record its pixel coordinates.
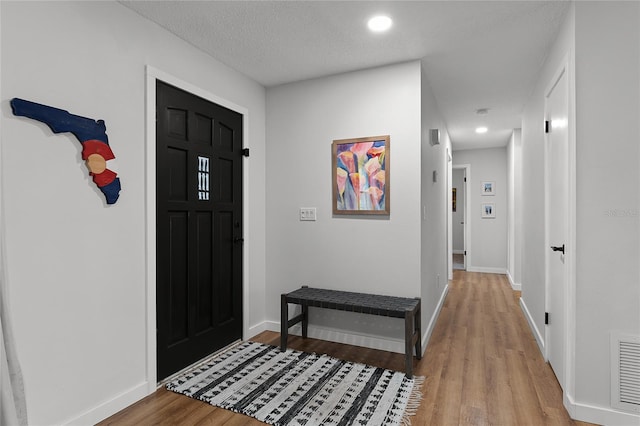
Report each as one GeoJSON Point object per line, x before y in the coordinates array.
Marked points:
{"type": "Point", "coordinates": [199, 228]}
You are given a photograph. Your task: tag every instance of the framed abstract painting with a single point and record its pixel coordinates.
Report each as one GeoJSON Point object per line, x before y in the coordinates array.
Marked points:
{"type": "Point", "coordinates": [360, 176]}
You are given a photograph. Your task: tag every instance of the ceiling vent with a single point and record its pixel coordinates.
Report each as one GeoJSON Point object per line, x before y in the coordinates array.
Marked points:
{"type": "Point", "coordinates": [625, 372]}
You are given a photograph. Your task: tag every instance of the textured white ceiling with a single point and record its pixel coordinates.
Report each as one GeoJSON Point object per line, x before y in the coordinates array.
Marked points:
{"type": "Point", "coordinates": [475, 54]}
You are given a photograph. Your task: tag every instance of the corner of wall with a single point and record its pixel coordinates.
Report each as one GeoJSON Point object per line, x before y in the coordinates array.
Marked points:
{"type": "Point", "coordinates": [514, 285]}
{"type": "Point", "coordinates": [534, 328]}
{"type": "Point", "coordinates": [435, 218]}
{"type": "Point", "coordinates": [428, 330]}
{"type": "Point", "coordinates": [113, 405]}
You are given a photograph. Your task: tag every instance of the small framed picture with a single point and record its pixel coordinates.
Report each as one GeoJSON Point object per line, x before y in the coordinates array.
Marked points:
{"type": "Point", "coordinates": [488, 188]}
{"type": "Point", "coordinates": [488, 210]}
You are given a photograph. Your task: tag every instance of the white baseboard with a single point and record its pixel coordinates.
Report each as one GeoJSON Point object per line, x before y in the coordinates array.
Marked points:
{"type": "Point", "coordinates": [359, 339]}
{"type": "Point", "coordinates": [133, 395]}
{"type": "Point", "coordinates": [340, 336]}
{"type": "Point", "coordinates": [109, 408]}
{"type": "Point", "coordinates": [599, 415]}
{"type": "Point", "coordinates": [434, 318]}
{"type": "Point", "coordinates": [486, 270]}
{"type": "Point", "coordinates": [144, 389]}
{"type": "Point", "coordinates": [514, 286]}
{"type": "Point", "coordinates": [458, 251]}
{"type": "Point", "coordinates": [255, 330]}
{"type": "Point", "coordinates": [534, 328]}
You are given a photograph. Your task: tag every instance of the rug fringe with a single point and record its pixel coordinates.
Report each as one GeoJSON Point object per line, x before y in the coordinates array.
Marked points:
{"type": "Point", "coordinates": [413, 403]}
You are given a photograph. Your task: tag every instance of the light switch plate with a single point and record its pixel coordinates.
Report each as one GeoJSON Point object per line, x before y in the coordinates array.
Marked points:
{"type": "Point", "coordinates": [307, 213]}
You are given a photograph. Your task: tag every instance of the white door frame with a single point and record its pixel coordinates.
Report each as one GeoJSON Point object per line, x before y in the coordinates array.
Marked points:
{"type": "Point", "coordinates": [567, 67]}
{"type": "Point", "coordinates": [467, 204]}
{"type": "Point", "coordinates": [153, 74]}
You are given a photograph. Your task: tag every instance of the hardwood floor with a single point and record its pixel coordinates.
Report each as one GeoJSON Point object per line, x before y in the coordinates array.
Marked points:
{"type": "Point", "coordinates": [482, 367]}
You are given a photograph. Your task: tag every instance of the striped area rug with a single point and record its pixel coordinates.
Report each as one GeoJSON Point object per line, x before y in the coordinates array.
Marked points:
{"type": "Point", "coordinates": [299, 388]}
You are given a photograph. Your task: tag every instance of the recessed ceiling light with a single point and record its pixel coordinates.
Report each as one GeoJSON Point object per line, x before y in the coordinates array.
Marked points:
{"type": "Point", "coordinates": [481, 130]}
{"type": "Point", "coordinates": [379, 23]}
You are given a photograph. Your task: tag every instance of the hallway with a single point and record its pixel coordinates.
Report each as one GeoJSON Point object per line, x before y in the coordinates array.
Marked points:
{"type": "Point", "coordinates": [482, 366]}
{"type": "Point", "coordinates": [458, 261]}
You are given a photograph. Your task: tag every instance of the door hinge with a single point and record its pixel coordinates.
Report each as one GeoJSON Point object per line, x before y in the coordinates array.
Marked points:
{"type": "Point", "coordinates": [546, 318]}
{"type": "Point", "coordinates": [547, 129]}
{"type": "Point", "coordinates": [245, 152]}
{"type": "Point", "coordinates": [465, 252]}
{"type": "Point", "coordinates": [465, 179]}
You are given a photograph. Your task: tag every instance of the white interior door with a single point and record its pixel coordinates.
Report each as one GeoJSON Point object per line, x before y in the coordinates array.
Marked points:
{"type": "Point", "coordinates": [465, 216]}
{"type": "Point", "coordinates": [557, 191]}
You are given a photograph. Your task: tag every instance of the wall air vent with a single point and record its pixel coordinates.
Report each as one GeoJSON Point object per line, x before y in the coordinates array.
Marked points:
{"type": "Point", "coordinates": [625, 372]}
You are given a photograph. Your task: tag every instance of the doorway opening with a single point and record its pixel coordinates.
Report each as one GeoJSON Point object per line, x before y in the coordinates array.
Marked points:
{"type": "Point", "coordinates": [459, 216]}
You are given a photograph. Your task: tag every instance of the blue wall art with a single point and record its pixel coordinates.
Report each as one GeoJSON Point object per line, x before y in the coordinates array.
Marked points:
{"type": "Point", "coordinates": [91, 134]}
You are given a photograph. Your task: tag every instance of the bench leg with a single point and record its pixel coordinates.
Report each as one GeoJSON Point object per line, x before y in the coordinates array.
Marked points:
{"type": "Point", "coordinates": [408, 343]}
{"type": "Point", "coordinates": [418, 329]}
{"type": "Point", "coordinates": [284, 322]}
{"type": "Point", "coordinates": [305, 320]}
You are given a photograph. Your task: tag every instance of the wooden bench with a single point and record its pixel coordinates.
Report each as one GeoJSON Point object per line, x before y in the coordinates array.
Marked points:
{"type": "Point", "coordinates": [389, 306]}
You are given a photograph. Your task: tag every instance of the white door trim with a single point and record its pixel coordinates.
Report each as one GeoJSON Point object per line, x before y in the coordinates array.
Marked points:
{"type": "Point", "coordinates": [467, 208]}
{"type": "Point", "coordinates": [567, 67]}
{"type": "Point", "coordinates": [153, 74]}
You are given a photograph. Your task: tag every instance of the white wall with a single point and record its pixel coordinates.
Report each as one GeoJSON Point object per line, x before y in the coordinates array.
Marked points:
{"type": "Point", "coordinates": [608, 188]}
{"type": "Point", "coordinates": [533, 200]}
{"type": "Point", "coordinates": [605, 296]}
{"type": "Point", "coordinates": [487, 245]}
{"type": "Point", "coordinates": [435, 199]}
{"type": "Point", "coordinates": [514, 201]}
{"type": "Point", "coordinates": [457, 222]}
{"type": "Point", "coordinates": [362, 254]}
{"type": "Point", "coordinates": [76, 268]}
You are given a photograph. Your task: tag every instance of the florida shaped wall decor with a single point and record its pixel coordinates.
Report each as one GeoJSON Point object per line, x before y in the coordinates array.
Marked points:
{"type": "Point", "coordinates": [360, 176]}
{"type": "Point", "coordinates": [92, 134]}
